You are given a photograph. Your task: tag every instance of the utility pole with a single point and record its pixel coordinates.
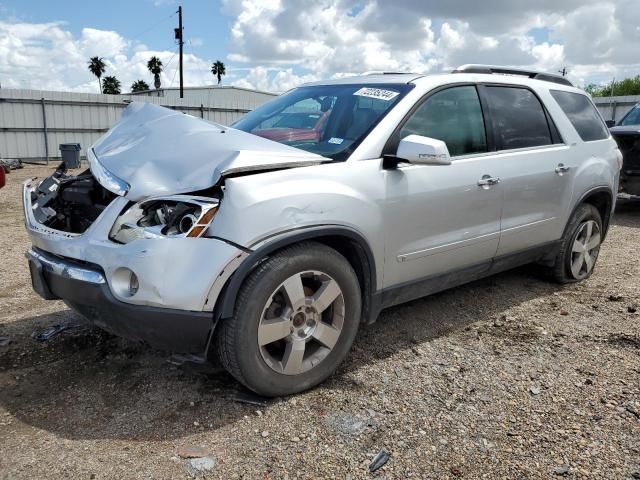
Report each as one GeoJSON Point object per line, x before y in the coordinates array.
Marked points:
{"type": "Point", "coordinates": [178, 32]}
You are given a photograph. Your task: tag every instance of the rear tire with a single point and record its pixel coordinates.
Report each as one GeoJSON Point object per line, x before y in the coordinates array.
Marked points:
{"type": "Point", "coordinates": [295, 319]}
{"type": "Point", "coordinates": [580, 246]}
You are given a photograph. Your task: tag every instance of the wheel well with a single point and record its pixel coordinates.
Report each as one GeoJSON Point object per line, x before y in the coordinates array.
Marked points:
{"type": "Point", "coordinates": [346, 242]}
{"type": "Point", "coordinates": [602, 200]}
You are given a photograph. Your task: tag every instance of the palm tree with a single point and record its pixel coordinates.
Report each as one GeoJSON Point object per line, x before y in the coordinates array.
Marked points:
{"type": "Point", "coordinates": [217, 68]}
{"type": "Point", "coordinates": [97, 67]}
{"type": "Point", "coordinates": [111, 85]}
{"type": "Point", "coordinates": [155, 67]}
{"type": "Point", "coordinates": [139, 86]}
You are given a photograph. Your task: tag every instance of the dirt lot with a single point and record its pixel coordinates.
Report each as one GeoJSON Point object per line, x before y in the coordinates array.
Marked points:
{"type": "Point", "coordinates": [509, 377]}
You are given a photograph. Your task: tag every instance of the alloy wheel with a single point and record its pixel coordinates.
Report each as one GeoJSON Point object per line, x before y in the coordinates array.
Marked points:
{"type": "Point", "coordinates": [585, 249]}
{"type": "Point", "coordinates": [301, 322]}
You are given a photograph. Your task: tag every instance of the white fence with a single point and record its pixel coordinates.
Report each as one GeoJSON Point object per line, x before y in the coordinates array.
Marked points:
{"type": "Point", "coordinates": [33, 123]}
{"type": "Point", "coordinates": [614, 108]}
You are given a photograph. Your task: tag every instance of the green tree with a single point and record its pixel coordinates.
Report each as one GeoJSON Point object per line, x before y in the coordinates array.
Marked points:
{"type": "Point", "coordinates": [218, 70]}
{"type": "Point", "coordinates": [155, 67]}
{"type": "Point", "coordinates": [139, 86]}
{"type": "Point", "coordinates": [628, 86]}
{"type": "Point", "coordinates": [97, 67]}
{"type": "Point", "coordinates": [110, 85]}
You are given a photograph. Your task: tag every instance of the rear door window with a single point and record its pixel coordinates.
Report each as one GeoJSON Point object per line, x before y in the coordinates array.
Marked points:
{"type": "Point", "coordinates": [518, 117]}
{"type": "Point", "coordinates": [582, 114]}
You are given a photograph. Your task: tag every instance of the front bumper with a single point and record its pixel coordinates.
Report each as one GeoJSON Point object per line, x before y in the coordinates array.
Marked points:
{"type": "Point", "coordinates": [174, 273]}
{"type": "Point", "coordinates": [84, 287]}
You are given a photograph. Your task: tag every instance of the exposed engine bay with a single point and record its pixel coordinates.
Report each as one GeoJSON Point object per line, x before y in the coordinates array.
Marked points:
{"type": "Point", "coordinates": [69, 203]}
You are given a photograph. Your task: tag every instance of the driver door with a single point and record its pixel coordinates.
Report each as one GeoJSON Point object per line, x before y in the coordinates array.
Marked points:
{"type": "Point", "coordinates": [444, 219]}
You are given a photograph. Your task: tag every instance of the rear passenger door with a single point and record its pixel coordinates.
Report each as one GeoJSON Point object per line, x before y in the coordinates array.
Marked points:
{"type": "Point", "coordinates": [536, 168]}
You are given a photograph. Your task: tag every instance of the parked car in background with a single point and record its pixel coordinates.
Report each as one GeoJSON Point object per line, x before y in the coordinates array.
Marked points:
{"type": "Point", "coordinates": [627, 135]}
{"type": "Point", "coordinates": [3, 178]}
{"type": "Point", "coordinates": [207, 239]}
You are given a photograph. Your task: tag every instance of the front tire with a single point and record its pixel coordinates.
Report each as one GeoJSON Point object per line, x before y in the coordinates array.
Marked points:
{"type": "Point", "coordinates": [295, 319]}
{"type": "Point", "coordinates": [580, 246]}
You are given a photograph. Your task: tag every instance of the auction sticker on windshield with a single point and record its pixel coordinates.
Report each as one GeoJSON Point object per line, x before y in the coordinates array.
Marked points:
{"type": "Point", "coordinates": [378, 93]}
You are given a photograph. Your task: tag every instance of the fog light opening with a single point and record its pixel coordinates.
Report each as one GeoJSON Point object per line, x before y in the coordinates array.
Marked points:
{"type": "Point", "coordinates": [133, 284]}
{"type": "Point", "coordinates": [124, 282]}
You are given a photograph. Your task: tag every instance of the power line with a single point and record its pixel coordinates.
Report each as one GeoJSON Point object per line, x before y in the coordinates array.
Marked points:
{"type": "Point", "coordinates": [154, 25]}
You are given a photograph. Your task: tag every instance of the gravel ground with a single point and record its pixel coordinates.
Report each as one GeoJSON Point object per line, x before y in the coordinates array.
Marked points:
{"type": "Point", "coordinates": [508, 377]}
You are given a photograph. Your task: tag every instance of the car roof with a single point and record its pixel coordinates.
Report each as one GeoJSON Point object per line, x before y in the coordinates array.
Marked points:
{"type": "Point", "coordinates": [434, 79]}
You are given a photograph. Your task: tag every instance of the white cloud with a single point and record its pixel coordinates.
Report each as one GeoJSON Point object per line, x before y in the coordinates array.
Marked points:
{"type": "Point", "coordinates": [326, 38]}
{"type": "Point", "coordinates": [277, 44]}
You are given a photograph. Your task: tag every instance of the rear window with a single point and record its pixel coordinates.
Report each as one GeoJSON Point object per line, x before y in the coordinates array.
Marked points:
{"type": "Point", "coordinates": [582, 114]}
{"type": "Point", "coordinates": [519, 120]}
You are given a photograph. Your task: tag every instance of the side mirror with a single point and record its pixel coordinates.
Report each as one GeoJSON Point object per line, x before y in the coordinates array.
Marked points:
{"type": "Point", "coordinates": [610, 123]}
{"type": "Point", "coordinates": [421, 150]}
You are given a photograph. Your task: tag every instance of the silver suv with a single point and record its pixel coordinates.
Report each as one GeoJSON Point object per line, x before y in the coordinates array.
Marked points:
{"type": "Point", "coordinates": [270, 242]}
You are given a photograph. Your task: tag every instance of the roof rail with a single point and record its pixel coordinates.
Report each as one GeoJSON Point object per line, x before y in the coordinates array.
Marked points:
{"type": "Point", "coordinates": [381, 72]}
{"type": "Point", "coordinates": [491, 69]}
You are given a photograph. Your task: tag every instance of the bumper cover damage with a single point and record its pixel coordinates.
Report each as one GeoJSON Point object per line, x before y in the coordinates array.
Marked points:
{"type": "Point", "coordinates": [85, 288]}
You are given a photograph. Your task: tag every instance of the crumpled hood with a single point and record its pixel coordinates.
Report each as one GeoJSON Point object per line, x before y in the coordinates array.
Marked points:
{"type": "Point", "coordinates": [159, 151]}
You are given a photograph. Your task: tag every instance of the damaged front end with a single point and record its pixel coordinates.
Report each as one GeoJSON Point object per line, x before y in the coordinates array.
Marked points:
{"type": "Point", "coordinates": [69, 203]}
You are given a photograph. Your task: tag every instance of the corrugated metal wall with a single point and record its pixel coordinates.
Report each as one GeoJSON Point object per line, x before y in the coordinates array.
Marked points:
{"type": "Point", "coordinates": [214, 96]}
{"type": "Point", "coordinates": [69, 117]}
{"type": "Point", "coordinates": [614, 108]}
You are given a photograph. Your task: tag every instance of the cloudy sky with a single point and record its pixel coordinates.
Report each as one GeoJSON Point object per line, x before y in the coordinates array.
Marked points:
{"type": "Point", "coordinates": [277, 44]}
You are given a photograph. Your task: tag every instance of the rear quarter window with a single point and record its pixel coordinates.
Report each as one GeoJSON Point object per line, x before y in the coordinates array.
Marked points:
{"type": "Point", "coordinates": [582, 114]}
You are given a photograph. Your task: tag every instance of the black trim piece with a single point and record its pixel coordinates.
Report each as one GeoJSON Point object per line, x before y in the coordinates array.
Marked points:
{"type": "Point", "coordinates": [486, 114]}
{"type": "Point", "coordinates": [229, 242]}
{"type": "Point", "coordinates": [226, 301]}
{"type": "Point", "coordinates": [436, 283]}
{"type": "Point", "coordinates": [415, 289]}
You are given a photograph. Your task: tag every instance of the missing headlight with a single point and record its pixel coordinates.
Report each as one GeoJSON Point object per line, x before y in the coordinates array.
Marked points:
{"type": "Point", "coordinates": [177, 216]}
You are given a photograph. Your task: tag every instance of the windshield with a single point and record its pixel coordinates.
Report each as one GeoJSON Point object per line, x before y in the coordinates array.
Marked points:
{"type": "Point", "coordinates": [330, 120]}
{"type": "Point", "coordinates": [633, 117]}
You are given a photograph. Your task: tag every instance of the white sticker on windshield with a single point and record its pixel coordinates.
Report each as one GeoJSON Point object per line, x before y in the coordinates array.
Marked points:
{"type": "Point", "coordinates": [377, 93]}
{"type": "Point", "coordinates": [335, 140]}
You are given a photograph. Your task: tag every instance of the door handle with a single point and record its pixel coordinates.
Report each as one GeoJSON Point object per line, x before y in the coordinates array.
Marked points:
{"type": "Point", "coordinates": [562, 168]}
{"type": "Point", "coordinates": [487, 181]}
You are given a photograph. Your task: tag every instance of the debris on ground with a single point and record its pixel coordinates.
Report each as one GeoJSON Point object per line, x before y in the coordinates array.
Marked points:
{"type": "Point", "coordinates": [379, 460]}
{"type": "Point", "coordinates": [615, 297]}
{"type": "Point", "coordinates": [50, 332]}
{"type": "Point", "coordinates": [10, 164]}
{"type": "Point", "coordinates": [250, 399]}
{"type": "Point", "coordinates": [196, 467]}
{"type": "Point", "coordinates": [192, 451]}
{"type": "Point", "coordinates": [535, 390]}
{"type": "Point", "coordinates": [179, 359]}
{"type": "Point", "coordinates": [4, 341]}
{"type": "Point", "coordinates": [347, 424]}
{"type": "Point", "coordinates": [562, 470]}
